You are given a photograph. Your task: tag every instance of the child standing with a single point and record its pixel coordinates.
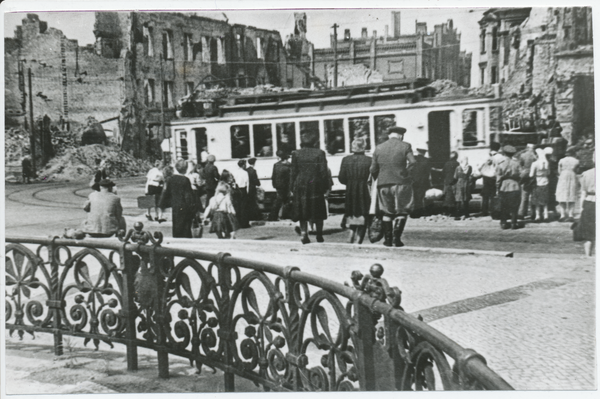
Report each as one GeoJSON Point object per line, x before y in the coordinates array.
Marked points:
{"type": "Point", "coordinates": [222, 214]}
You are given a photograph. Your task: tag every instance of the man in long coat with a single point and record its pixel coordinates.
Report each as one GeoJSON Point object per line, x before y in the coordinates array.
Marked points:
{"type": "Point", "coordinates": [178, 195]}
{"type": "Point", "coordinates": [392, 161]}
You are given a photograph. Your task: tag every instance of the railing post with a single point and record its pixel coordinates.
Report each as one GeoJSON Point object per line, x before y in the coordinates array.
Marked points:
{"type": "Point", "coordinates": [366, 340]}
{"type": "Point", "coordinates": [129, 267]}
{"type": "Point", "coordinates": [161, 339]}
{"type": "Point", "coordinates": [225, 332]}
{"type": "Point", "coordinates": [399, 365]}
{"type": "Point", "coordinates": [55, 302]}
{"type": "Point", "coordinates": [294, 356]}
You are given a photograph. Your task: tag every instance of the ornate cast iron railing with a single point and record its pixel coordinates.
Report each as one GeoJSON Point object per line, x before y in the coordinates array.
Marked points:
{"type": "Point", "coordinates": [277, 326]}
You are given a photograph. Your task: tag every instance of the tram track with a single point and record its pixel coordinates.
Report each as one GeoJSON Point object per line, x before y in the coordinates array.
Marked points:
{"type": "Point", "coordinates": [21, 197]}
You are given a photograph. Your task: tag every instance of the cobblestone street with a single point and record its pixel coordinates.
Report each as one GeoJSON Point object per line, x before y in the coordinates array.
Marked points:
{"type": "Point", "coordinates": [532, 315]}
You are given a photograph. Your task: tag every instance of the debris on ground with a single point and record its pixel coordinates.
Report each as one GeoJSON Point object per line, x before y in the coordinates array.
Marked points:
{"type": "Point", "coordinates": [16, 145]}
{"type": "Point", "coordinates": [80, 163]}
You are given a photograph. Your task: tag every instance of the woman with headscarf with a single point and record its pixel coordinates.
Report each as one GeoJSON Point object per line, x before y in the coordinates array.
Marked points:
{"type": "Point", "coordinates": [462, 187]}
{"type": "Point", "coordinates": [309, 182]}
{"type": "Point", "coordinates": [354, 174]}
{"type": "Point", "coordinates": [540, 170]}
{"type": "Point", "coordinates": [566, 189]}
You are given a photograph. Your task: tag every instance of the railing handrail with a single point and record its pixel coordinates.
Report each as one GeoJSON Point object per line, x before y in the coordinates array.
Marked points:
{"type": "Point", "coordinates": [470, 359]}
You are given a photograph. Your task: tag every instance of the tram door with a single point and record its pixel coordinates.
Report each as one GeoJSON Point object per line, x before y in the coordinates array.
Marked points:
{"type": "Point", "coordinates": [201, 142]}
{"type": "Point", "coordinates": [439, 142]}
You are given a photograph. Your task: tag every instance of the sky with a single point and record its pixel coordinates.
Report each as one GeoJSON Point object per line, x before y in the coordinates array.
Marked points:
{"type": "Point", "coordinates": [79, 25]}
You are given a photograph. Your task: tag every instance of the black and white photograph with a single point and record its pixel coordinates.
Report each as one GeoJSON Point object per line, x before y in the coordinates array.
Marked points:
{"type": "Point", "coordinates": [304, 197]}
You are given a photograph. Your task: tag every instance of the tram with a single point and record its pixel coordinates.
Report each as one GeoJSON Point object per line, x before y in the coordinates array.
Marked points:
{"type": "Point", "coordinates": [259, 125]}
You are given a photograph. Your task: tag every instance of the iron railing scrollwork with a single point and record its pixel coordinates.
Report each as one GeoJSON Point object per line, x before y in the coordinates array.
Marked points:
{"type": "Point", "coordinates": [279, 327]}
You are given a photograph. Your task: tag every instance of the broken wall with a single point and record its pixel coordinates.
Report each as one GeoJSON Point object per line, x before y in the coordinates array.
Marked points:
{"type": "Point", "coordinates": [93, 85]}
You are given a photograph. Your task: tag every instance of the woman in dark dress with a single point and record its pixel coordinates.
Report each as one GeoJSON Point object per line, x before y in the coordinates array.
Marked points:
{"type": "Point", "coordinates": [354, 174]}
{"type": "Point", "coordinates": [309, 183]}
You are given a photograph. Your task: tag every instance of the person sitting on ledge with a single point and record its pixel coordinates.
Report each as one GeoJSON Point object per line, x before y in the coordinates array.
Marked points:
{"type": "Point", "coordinates": [105, 213]}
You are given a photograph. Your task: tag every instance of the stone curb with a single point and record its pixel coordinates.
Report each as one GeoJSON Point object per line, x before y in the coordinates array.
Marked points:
{"type": "Point", "coordinates": [379, 248]}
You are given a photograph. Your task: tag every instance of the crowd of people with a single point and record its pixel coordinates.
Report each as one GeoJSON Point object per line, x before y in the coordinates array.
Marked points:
{"type": "Point", "coordinates": [391, 185]}
{"type": "Point", "coordinates": [200, 194]}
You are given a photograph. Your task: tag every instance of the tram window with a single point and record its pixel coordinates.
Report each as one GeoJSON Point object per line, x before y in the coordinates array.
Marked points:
{"type": "Point", "coordinates": [183, 145]}
{"type": "Point", "coordinates": [359, 127]}
{"type": "Point", "coordinates": [286, 137]}
{"type": "Point", "coordinates": [382, 125]}
{"type": "Point", "coordinates": [201, 144]}
{"type": "Point", "coordinates": [471, 126]}
{"type": "Point", "coordinates": [240, 141]}
{"type": "Point", "coordinates": [311, 126]}
{"type": "Point", "coordinates": [335, 142]}
{"type": "Point", "coordinates": [263, 140]}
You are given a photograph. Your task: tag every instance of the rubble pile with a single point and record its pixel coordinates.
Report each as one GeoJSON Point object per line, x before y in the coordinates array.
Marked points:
{"type": "Point", "coordinates": [447, 88]}
{"type": "Point", "coordinates": [80, 163]}
{"type": "Point", "coordinates": [63, 140]}
{"type": "Point", "coordinates": [16, 144]}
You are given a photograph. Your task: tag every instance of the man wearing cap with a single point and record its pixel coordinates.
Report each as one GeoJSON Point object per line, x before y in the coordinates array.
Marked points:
{"type": "Point", "coordinates": [105, 213]}
{"type": "Point", "coordinates": [421, 172]}
{"type": "Point", "coordinates": [280, 178]}
{"type": "Point", "coordinates": [508, 173]}
{"type": "Point", "coordinates": [392, 161]}
{"type": "Point", "coordinates": [525, 160]}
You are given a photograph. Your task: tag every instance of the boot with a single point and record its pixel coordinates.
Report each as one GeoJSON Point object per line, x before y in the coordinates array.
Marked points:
{"type": "Point", "coordinates": [398, 230]}
{"type": "Point", "coordinates": [387, 233]}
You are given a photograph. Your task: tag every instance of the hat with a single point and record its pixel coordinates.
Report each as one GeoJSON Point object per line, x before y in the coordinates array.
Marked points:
{"type": "Point", "coordinates": [283, 154]}
{"type": "Point", "coordinates": [422, 149]}
{"type": "Point", "coordinates": [359, 145]}
{"type": "Point", "coordinates": [548, 151]}
{"type": "Point", "coordinates": [589, 141]}
{"type": "Point", "coordinates": [106, 183]}
{"type": "Point", "coordinates": [397, 129]}
{"type": "Point", "coordinates": [509, 149]}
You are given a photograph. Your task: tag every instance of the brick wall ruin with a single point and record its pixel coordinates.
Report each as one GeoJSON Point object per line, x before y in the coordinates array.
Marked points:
{"type": "Point", "coordinates": [138, 60]}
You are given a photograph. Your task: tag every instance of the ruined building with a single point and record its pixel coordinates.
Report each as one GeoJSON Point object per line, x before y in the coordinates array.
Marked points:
{"type": "Point", "coordinates": [543, 59]}
{"type": "Point", "coordinates": [139, 67]}
{"type": "Point", "coordinates": [422, 55]}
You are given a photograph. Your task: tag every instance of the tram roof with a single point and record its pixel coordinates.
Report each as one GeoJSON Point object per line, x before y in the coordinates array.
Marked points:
{"type": "Point", "coordinates": [346, 92]}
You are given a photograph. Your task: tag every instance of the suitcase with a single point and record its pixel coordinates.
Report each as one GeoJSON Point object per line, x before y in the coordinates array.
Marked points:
{"type": "Point", "coordinates": [146, 201]}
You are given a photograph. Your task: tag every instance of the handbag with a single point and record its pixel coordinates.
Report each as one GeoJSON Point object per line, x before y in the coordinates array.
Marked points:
{"type": "Point", "coordinates": [376, 229]}
{"type": "Point", "coordinates": [197, 229]}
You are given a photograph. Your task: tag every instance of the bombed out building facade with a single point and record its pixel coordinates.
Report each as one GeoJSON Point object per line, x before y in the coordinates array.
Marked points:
{"type": "Point", "coordinates": [543, 59]}
{"type": "Point", "coordinates": [139, 67]}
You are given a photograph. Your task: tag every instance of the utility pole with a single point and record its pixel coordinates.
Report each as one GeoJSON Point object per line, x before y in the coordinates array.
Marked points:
{"type": "Point", "coordinates": [335, 61]}
{"type": "Point", "coordinates": [32, 137]}
{"type": "Point", "coordinates": [22, 86]}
